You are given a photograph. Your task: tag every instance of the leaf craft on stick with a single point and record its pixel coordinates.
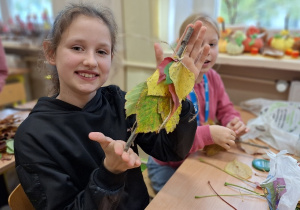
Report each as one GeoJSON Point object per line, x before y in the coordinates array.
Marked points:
{"type": "Point", "coordinates": [157, 101]}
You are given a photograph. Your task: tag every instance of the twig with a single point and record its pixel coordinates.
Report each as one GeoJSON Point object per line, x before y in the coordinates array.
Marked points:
{"type": "Point", "coordinates": [184, 42]}
{"type": "Point", "coordinates": [251, 144]}
{"type": "Point", "coordinates": [221, 197]}
{"type": "Point", "coordinates": [130, 140]}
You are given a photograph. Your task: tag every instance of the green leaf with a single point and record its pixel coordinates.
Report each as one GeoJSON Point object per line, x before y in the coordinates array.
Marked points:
{"type": "Point", "coordinates": [10, 146]}
{"type": "Point", "coordinates": [167, 73]}
{"type": "Point", "coordinates": [132, 98]}
{"type": "Point", "coordinates": [147, 117]}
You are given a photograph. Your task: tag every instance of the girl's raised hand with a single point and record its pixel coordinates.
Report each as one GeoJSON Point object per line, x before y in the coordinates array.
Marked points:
{"type": "Point", "coordinates": [194, 54]}
{"type": "Point", "coordinates": [116, 159]}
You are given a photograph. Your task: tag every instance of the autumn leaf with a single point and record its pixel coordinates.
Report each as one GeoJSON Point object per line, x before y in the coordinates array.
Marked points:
{"type": "Point", "coordinates": [174, 120]}
{"type": "Point", "coordinates": [183, 79]}
{"type": "Point", "coordinates": [167, 73]}
{"type": "Point", "coordinates": [239, 169]}
{"type": "Point", "coordinates": [212, 149]}
{"type": "Point", "coordinates": [132, 97]}
{"type": "Point", "coordinates": [155, 89]}
{"type": "Point", "coordinates": [147, 117]}
{"type": "Point", "coordinates": [161, 68]}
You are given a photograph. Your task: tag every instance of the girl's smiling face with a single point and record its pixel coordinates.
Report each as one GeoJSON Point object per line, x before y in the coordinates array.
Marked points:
{"type": "Point", "coordinates": [83, 59]}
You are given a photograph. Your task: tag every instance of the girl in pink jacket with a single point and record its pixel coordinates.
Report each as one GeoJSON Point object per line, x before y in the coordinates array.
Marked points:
{"type": "Point", "coordinates": [214, 106]}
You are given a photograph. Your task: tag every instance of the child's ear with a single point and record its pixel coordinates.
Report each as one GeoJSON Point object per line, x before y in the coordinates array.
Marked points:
{"type": "Point", "coordinates": [48, 54]}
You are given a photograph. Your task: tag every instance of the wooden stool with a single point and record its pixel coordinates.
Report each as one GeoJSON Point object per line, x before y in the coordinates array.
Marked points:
{"type": "Point", "coordinates": [151, 191]}
{"type": "Point", "coordinates": [18, 200]}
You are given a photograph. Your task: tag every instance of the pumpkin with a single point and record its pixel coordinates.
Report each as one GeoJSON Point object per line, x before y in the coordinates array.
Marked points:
{"type": "Point", "coordinates": [222, 45]}
{"type": "Point", "coordinates": [252, 30]}
{"type": "Point", "coordinates": [252, 41]}
{"type": "Point", "coordinates": [280, 43]}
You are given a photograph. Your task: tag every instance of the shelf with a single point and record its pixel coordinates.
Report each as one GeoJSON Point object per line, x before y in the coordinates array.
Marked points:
{"type": "Point", "coordinates": [20, 49]}
{"type": "Point", "coordinates": [285, 63]}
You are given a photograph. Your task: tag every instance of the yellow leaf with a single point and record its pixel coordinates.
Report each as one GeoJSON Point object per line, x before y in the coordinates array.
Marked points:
{"type": "Point", "coordinates": [182, 78]}
{"type": "Point", "coordinates": [174, 120]}
{"type": "Point", "coordinates": [164, 108]}
{"type": "Point", "coordinates": [239, 169]}
{"type": "Point", "coordinates": [155, 89]}
{"type": "Point", "coordinates": [212, 149]}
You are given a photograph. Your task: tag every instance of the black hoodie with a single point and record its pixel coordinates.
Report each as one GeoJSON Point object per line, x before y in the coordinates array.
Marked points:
{"type": "Point", "coordinates": [59, 167]}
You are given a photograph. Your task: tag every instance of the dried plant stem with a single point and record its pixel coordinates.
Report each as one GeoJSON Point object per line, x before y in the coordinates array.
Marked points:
{"type": "Point", "coordinates": [256, 193]}
{"type": "Point", "coordinates": [221, 197]}
{"type": "Point", "coordinates": [206, 196]}
{"type": "Point", "coordinates": [130, 140]}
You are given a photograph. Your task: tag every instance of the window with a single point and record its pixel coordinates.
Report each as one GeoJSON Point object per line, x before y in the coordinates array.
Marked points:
{"type": "Point", "coordinates": [269, 14]}
{"type": "Point", "coordinates": [25, 9]}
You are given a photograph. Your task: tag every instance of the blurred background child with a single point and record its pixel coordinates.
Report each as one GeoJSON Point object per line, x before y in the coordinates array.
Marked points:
{"type": "Point", "coordinates": [211, 103]}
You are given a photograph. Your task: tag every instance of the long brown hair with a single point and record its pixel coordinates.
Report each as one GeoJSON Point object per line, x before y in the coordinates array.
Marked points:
{"type": "Point", "coordinates": [204, 18]}
{"type": "Point", "coordinates": [63, 20]}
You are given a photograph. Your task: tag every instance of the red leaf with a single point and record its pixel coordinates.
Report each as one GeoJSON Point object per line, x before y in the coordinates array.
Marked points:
{"type": "Point", "coordinates": [161, 68]}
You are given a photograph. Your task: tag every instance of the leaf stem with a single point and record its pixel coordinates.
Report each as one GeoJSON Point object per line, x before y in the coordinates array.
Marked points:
{"type": "Point", "coordinates": [220, 196]}
{"type": "Point", "coordinates": [206, 196]}
{"type": "Point", "coordinates": [256, 193]}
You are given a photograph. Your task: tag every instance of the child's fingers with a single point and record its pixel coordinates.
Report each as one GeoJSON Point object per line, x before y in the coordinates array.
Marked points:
{"type": "Point", "coordinates": [196, 48]}
{"type": "Point", "coordinates": [100, 138]}
{"type": "Point", "coordinates": [202, 57]}
{"type": "Point", "coordinates": [159, 55]}
{"type": "Point", "coordinates": [196, 26]}
{"type": "Point", "coordinates": [119, 147]}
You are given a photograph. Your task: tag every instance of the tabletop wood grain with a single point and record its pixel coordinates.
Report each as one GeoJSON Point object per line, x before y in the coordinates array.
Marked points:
{"type": "Point", "coordinates": [192, 177]}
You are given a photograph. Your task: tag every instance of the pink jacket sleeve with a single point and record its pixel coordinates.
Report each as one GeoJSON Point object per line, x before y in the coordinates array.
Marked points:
{"type": "Point", "coordinates": [225, 111]}
{"type": "Point", "coordinates": [3, 67]}
{"type": "Point", "coordinates": [202, 138]}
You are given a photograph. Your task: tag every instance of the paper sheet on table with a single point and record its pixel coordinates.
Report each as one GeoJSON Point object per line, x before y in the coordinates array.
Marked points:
{"type": "Point", "coordinates": [278, 124]}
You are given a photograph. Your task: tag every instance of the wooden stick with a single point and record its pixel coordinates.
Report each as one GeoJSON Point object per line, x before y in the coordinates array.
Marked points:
{"type": "Point", "coordinates": [185, 40]}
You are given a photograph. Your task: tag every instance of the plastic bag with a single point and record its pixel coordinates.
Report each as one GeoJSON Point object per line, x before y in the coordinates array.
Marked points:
{"type": "Point", "coordinates": [283, 182]}
{"type": "Point", "coordinates": [278, 124]}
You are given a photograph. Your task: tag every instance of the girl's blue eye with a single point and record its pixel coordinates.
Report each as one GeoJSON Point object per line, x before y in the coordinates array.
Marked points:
{"type": "Point", "coordinates": [212, 45]}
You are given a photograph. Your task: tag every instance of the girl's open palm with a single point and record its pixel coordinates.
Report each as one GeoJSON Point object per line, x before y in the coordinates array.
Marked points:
{"type": "Point", "coordinates": [116, 159]}
{"type": "Point", "coordinates": [194, 54]}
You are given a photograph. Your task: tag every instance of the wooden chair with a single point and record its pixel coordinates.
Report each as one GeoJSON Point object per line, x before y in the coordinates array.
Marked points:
{"type": "Point", "coordinates": [147, 181]}
{"type": "Point", "coordinates": [12, 93]}
{"type": "Point", "coordinates": [18, 200]}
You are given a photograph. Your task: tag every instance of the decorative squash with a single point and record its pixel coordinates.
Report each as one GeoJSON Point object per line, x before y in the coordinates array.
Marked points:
{"type": "Point", "coordinates": [222, 45]}
{"type": "Point", "coordinates": [282, 43]}
{"type": "Point", "coordinates": [234, 49]}
{"type": "Point", "coordinates": [252, 41]}
{"type": "Point", "coordinates": [235, 46]}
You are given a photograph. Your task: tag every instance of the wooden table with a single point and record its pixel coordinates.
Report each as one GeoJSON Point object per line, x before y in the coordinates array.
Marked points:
{"type": "Point", "coordinates": [191, 179]}
{"type": "Point", "coordinates": [9, 162]}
